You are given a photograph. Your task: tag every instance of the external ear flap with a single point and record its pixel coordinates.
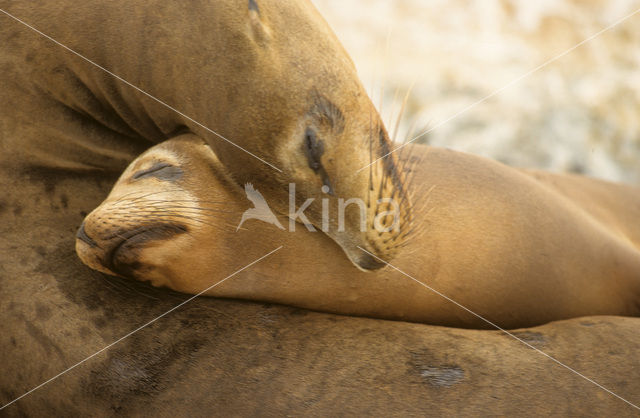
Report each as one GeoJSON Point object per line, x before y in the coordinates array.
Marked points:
{"type": "Point", "coordinates": [260, 31]}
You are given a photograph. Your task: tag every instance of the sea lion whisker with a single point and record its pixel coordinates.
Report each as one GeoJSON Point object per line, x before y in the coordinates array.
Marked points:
{"type": "Point", "coordinates": [382, 183]}
{"type": "Point", "coordinates": [122, 198]}
{"type": "Point", "coordinates": [170, 217]}
{"type": "Point", "coordinates": [370, 185]}
{"type": "Point", "coordinates": [411, 131]}
{"type": "Point", "coordinates": [406, 157]}
{"type": "Point", "coordinates": [410, 166]}
{"type": "Point", "coordinates": [194, 208]}
{"type": "Point", "coordinates": [113, 284]}
{"type": "Point", "coordinates": [125, 287]}
{"type": "Point", "coordinates": [131, 202]}
{"type": "Point", "coordinates": [394, 105]}
{"type": "Point", "coordinates": [187, 220]}
{"type": "Point", "coordinates": [402, 110]}
{"type": "Point", "coordinates": [194, 200]}
{"type": "Point", "coordinates": [420, 204]}
{"type": "Point", "coordinates": [192, 221]}
{"type": "Point", "coordinates": [127, 194]}
{"type": "Point", "coordinates": [174, 204]}
{"type": "Point", "coordinates": [171, 211]}
{"type": "Point", "coordinates": [137, 198]}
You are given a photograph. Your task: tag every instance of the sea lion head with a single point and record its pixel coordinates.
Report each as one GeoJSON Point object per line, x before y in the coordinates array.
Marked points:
{"type": "Point", "coordinates": [265, 83]}
{"type": "Point", "coordinates": [161, 217]}
{"type": "Point", "coordinates": [309, 115]}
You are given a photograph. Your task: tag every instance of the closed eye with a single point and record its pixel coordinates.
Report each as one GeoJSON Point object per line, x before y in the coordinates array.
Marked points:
{"type": "Point", "coordinates": [161, 171]}
{"type": "Point", "coordinates": [314, 148]}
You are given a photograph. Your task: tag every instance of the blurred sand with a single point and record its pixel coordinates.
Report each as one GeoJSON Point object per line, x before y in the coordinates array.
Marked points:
{"type": "Point", "coordinates": [580, 113]}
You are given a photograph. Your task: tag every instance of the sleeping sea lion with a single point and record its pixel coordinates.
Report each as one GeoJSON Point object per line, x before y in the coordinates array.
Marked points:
{"type": "Point", "coordinates": [517, 248]}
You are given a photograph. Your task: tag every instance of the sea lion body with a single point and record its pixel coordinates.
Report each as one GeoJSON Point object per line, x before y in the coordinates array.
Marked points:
{"type": "Point", "coordinates": [517, 248]}
{"type": "Point", "coordinates": [266, 83]}
{"type": "Point", "coordinates": [228, 356]}
{"type": "Point", "coordinates": [242, 358]}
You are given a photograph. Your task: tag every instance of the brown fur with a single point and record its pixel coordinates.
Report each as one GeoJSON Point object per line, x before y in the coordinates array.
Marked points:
{"type": "Point", "coordinates": [228, 357]}
{"type": "Point", "coordinates": [259, 77]}
{"type": "Point", "coordinates": [518, 248]}
{"type": "Point", "coordinates": [217, 357]}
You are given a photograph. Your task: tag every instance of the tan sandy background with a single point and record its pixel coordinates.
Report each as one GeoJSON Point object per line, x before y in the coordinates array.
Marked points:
{"type": "Point", "coordinates": [580, 113]}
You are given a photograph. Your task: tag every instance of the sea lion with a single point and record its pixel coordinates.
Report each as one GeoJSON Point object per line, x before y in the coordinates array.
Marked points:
{"type": "Point", "coordinates": [231, 357]}
{"type": "Point", "coordinates": [517, 248]}
{"type": "Point", "coordinates": [257, 78]}
{"type": "Point", "coordinates": [245, 359]}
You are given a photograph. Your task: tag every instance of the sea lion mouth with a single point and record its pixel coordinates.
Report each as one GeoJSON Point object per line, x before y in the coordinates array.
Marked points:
{"type": "Point", "coordinates": [123, 258]}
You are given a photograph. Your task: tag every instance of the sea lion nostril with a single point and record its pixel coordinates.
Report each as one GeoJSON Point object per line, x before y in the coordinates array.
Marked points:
{"type": "Point", "coordinates": [82, 236]}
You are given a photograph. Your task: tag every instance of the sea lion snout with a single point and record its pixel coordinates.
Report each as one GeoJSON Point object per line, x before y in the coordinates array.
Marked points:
{"type": "Point", "coordinates": [151, 214]}
{"type": "Point", "coordinates": [90, 251]}
{"type": "Point", "coordinates": [115, 246]}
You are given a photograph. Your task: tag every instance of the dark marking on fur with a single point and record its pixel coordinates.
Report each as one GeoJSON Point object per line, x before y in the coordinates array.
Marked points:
{"type": "Point", "coordinates": [43, 312]}
{"type": "Point", "coordinates": [533, 338]}
{"type": "Point", "coordinates": [254, 6]}
{"type": "Point", "coordinates": [50, 177]}
{"type": "Point", "coordinates": [326, 113]}
{"type": "Point", "coordinates": [443, 376]}
{"type": "Point", "coordinates": [160, 170]}
{"type": "Point", "coordinates": [313, 148]}
{"type": "Point", "coordinates": [432, 369]}
{"type": "Point", "coordinates": [130, 373]}
{"type": "Point", "coordinates": [41, 338]}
